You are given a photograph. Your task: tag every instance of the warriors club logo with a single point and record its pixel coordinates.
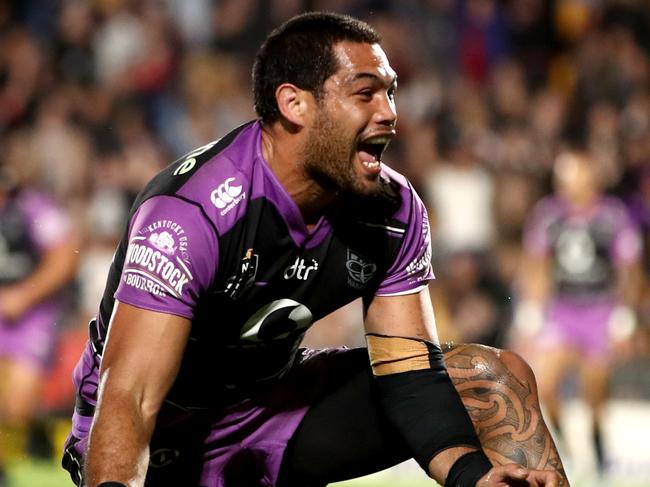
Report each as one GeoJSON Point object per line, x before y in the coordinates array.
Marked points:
{"type": "Point", "coordinates": [360, 270]}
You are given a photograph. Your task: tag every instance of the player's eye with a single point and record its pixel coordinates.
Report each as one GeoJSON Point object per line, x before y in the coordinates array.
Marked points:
{"type": "Point", "coordinates": [365, 93]}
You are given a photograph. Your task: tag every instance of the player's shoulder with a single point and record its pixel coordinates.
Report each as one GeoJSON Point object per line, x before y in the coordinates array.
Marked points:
{"type": "Point", "coordinates": [34, 200]}
{"type": "Point", "coordinates": [216, 177]}
{"type": "Point", "coordinates": [549, 203]}
{"type": "Point", "coordinates": [205, 163]}
{"type": "Point", "coordinates": [549, 207]}
{"type": "Point", "coordinates": [613, 204]}
{"type": "Point", "coordinates": [406, 200]}
{"type": "Point", "coordinates": [614, 209]}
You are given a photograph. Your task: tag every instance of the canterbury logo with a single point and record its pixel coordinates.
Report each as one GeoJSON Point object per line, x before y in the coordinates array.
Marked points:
{"type": "Point", "coordinates": [225, 193]}
{"type": "Point", "coordinates": [226, 197]}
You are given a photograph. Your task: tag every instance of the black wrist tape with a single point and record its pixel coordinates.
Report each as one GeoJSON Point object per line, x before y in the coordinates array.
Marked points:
{"type": "Point", "coordinates": [111, 484]}
{"type": "Point", "coordinates": [426, 409]}
{"type": "Point", "coordinates": [468, 469]}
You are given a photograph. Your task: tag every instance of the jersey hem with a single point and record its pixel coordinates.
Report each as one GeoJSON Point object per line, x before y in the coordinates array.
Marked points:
{"type": "Point", "coordinates": [149, 307]}
{"type": "Point", "coordinates": [404, 293]}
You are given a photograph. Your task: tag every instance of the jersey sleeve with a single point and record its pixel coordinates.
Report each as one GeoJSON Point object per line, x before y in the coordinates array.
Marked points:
{"type": "Point", "coordinates": [536, 239]}
{"type": "Point", "coordinates": [412, 269]}
{"type": "Point", "coordinates": [49, 225]}
{"type": "Point", "coordinates": [626, 246]}
{"type": "Point", "coordinates": [171, 258]}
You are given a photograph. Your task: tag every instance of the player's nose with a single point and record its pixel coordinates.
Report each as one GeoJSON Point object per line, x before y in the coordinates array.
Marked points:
{"type": "Point", "coordinates": [386, 113]}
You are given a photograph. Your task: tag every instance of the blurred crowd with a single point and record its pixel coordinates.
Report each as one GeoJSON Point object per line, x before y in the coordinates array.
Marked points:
{"type": "Point", "coordinates": [97, 95]}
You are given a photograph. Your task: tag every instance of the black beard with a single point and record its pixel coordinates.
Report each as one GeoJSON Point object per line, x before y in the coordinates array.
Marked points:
{"type": "Point", "coordinates": [327, 157]}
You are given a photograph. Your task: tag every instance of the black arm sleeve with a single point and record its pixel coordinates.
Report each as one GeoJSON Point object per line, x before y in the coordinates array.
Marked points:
{"type": "Point", "coordinates": [426, 409]}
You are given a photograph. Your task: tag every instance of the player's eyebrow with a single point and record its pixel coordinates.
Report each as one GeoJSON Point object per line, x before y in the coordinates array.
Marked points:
{"type": "Point", "coordinates": [375, 78]}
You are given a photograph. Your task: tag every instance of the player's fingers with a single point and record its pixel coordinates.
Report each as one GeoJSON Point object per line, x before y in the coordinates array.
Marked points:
{"type": "Point", "coordinates": [514, 471]}
{"type": "Point", "coordinates": [544, 478]}
{"type": "Point", "coordinates": [510, 474]}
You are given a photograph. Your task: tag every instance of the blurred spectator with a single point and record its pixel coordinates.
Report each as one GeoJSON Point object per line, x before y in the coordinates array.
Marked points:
{"type": "Point", "coordinates": [578, 287]}
{"type": "Point", "coordinates": [38, 255]}
{"type": "Point", "coordinates": [461, 224]}
{"type": "Point", "coordinates": [21, 65]}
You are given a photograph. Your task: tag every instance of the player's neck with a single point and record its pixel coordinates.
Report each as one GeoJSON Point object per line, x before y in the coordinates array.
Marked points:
{"type": "Point", "coordinates": [281, 151]}
{"type": "Point", "coordinates": [584, 204]}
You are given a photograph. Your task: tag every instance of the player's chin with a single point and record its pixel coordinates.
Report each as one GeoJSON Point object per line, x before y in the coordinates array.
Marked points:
{"type": "Point", "coordinates": [367, 185]}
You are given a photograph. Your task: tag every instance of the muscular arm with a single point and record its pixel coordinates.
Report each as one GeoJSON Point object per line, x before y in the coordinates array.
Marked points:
{"type": "Point", "coordinates": [56, 268]}
{"type": "Point", "coordinates": [411, 315]}
{"type": "Point", "coordinates": [517, 440]}
{"type": "Point", "coordinates": [140, 362]}
{"type": "Point", "coordinates": [500, 393]}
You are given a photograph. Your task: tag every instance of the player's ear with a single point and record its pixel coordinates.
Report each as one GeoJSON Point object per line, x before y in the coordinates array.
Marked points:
{"type": "Point", "coordinates": [293, 103]}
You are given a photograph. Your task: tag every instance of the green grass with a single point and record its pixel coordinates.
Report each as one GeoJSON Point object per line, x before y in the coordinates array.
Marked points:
{"type": "Point", "coordinates": [38, 474]}
{"type": "Point", "coordinates": [50, 474]}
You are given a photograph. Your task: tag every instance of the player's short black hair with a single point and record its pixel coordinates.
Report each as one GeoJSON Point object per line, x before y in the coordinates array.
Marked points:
{"type": "Point", "coordinates": [300, 52]}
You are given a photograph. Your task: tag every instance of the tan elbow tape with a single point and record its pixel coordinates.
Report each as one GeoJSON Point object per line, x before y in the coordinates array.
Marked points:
{"type": "Point", "coordinates": [393, 355]}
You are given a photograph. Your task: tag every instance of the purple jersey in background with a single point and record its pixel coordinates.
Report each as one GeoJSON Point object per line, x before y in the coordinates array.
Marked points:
{"type": "Point", "coordinates": [585, 248]}
{"type": "Point", "coordinates": [30, 223]}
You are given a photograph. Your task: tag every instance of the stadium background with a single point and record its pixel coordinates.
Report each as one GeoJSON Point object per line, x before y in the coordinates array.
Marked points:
{"type": "Point", "coordinates": [96, 96]}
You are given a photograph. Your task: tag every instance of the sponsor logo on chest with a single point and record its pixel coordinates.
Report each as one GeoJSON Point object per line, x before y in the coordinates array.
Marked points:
{"type": "Point", "coordinates": [300, 269]}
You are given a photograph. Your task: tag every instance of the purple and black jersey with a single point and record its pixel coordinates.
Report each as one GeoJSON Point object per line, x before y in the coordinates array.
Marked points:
{"type": "Point", "coordinates": [30, 224]}
{"type": "Point", "coordinates": [215, 238]}
{"type": "Point", "coordinates": [584, 246]}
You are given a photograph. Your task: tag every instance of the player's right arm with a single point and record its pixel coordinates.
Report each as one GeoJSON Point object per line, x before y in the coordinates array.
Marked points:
{"type": "Point", "coordinates": [141, 359]}
{"type": "Point", "coordinates": [169, 263]}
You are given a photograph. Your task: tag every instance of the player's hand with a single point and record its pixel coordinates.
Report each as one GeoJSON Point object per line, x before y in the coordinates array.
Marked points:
{"type": "Point", "coordinates": [513, 475]}
{"type": "Point", "coordinates": [14, 302]}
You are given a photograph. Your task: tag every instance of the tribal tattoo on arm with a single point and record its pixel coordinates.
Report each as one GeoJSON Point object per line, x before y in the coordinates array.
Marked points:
{"type": "Point", "coordinates": [499, 391]}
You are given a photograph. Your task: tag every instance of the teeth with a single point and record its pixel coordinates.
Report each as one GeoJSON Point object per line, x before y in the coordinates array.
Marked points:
{"type": "Point", "coordinates": [371, 165]}
{"type": "Point", "coordinates": [380, 139]}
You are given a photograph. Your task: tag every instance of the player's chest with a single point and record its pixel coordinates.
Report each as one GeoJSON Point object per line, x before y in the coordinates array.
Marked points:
{"type": "Point", "coordinates": [272, 266]}
{"type": "Point", "coordinates": [268, 279]}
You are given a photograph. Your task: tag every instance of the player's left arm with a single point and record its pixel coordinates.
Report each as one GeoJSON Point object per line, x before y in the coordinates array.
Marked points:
{"type": "Point", "coordinates": [57, 266]}
{"type": "Point", "coordinates": [421, 401]}
{"type": "Point", "coordinates": [625, 252]}
{"type": "Point", "coordinates": [402, 344]}
{"type": "Point", "coordinates": [411, 377]}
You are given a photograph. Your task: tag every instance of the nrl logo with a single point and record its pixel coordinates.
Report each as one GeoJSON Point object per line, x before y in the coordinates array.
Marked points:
{"type": "Point", "coordinates": [360, 270]}
{"type": "Point", "coordinates": [244, 277]}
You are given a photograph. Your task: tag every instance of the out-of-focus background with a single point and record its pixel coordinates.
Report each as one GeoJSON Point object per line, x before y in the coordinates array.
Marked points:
{"type": "Point", "coordinates": [97, 95]}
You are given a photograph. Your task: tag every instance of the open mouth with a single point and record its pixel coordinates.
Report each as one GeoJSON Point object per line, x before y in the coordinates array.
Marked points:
{"type": "Point", "coordinates": [371, 149]}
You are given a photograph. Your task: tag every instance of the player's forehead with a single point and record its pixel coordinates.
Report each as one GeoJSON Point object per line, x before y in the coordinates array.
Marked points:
{"type": "Point", "coordinates": [358, 60]}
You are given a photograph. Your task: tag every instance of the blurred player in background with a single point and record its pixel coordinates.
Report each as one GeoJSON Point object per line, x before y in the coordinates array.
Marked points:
{"type": "Point", "coordinates": [38, 256]}
{"type": "Point", "coordinates": [579, 281]}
